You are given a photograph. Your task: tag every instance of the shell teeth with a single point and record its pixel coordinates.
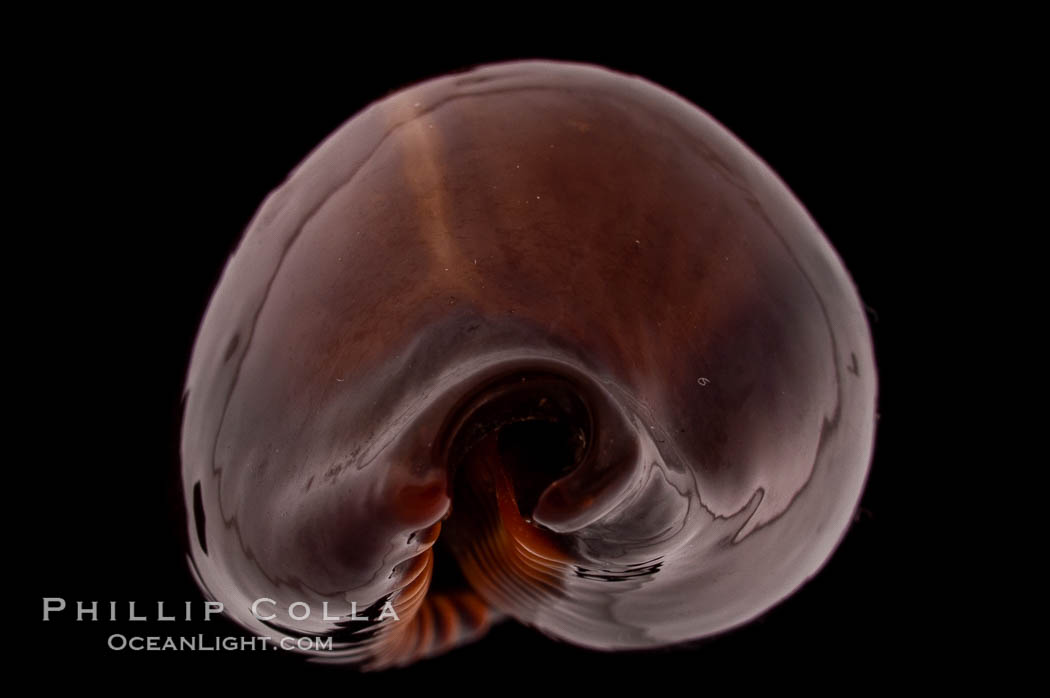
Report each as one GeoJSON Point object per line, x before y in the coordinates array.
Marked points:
{"type": "Point", "coordinates": [514, 565]}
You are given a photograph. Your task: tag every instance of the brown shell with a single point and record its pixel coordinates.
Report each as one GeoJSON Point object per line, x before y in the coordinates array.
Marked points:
{"type": "Point", "coordinates": [562, 305]}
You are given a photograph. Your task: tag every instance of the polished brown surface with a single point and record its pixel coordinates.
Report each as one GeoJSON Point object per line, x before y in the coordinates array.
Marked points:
{"type": "Point", "coordinates": [557, 318]}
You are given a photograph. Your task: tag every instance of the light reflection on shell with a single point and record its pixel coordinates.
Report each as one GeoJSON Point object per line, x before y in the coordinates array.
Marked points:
{"type": "Point", "coordinates": [552, 321]}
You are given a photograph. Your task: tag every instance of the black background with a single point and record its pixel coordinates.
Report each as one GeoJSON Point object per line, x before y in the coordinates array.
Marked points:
{"type": "Point", "coordinates": [148, 158]}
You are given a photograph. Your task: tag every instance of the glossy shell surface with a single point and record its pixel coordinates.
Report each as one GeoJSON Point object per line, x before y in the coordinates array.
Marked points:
{"type": "Point", "coordinates": [525, 242]}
